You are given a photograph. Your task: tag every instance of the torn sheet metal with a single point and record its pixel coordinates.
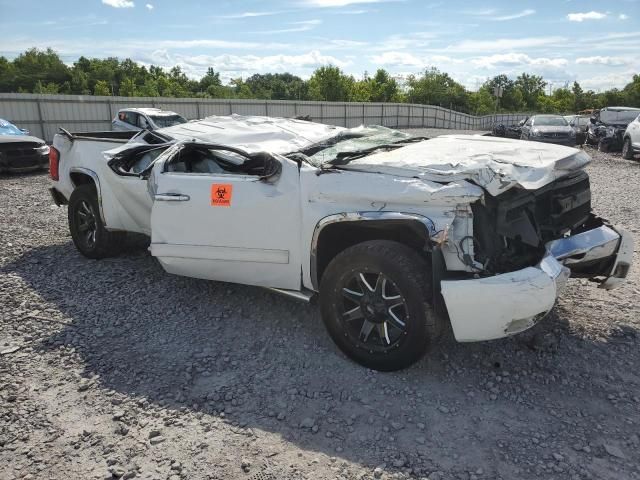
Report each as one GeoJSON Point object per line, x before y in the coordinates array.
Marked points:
{"type": "Point", "coordinates": [253, 133]}
{"type": "Point", "coordinates": [496, 164]}
{"type": "Point", "coordinates": [378, 190]}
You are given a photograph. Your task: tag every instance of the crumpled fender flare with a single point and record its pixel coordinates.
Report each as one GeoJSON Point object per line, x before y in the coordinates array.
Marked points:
{"type": "Point", "coordinates": [360, 217]}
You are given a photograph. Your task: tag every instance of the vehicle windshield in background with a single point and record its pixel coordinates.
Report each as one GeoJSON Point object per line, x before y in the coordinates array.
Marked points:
{"type": "Point", "coordinates": [582, 121]}
{"type": "Point", "coordinates": [622, 117]}
{"type": "Point", "coordinates": [354, 140]}
{"type": "Point", "coordinates": [163, 121]}
{"type": "Point", "coordinates": [7, 128]}
{"type": "Point", "coordinates": [550, 121]}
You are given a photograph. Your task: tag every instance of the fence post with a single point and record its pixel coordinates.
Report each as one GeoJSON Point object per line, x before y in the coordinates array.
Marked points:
{"type": "Point", "coordinates": [423, 109]}
{"type": "Point", "coordinates": [295, 109]}
{"type": "Point", "coordinates": [321, 112]}
{"type": "Point", "coordinates": [198, 115]}
{"type": "Point", "coordinates": [345, 114]}
{"type": "Point", "coordinates": [266, 108]}
{"type": "Point", "coordinates": [362, 113]}
{"type": "Point", "coordinates": [397, 114]}
{"type": "Point", "coordinates": [382, 115]}
{"type": "Point", "coordinates": [40, 119]}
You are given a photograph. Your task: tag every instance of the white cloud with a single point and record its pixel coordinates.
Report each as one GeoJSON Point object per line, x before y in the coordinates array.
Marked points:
{"type": "Point", "coordinates": [580, 17]}
{"type": "Point", "coordinates": [397, 59]}
{"type": "Point", "coordinates": [149, 6]}
{"type": "Point", "coordinates": [623, 16]}
{"type": "Point", "coordinates": [598, 60]}
{"type": "Point", "coordinates": [502, 44]}
{"type": "Point", "coordinates": [302, 26]}
{"type": "Point", "coordinates": [340, 3]}
{"type": "Point", "coordinates": [515, 59]}
{"type": "Point", "coordinates": [119, 3]}
{"type": "Point", "coordinates": [607, 81]}
{"type": "Point", "coordinates": [251, 14]}
{"type": "Point", "coordinates": [233, 66]}
{"type": "Point", "coordinates": [524, 13]}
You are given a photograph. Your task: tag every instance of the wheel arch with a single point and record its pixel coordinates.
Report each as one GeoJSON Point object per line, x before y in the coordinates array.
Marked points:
{"type": "Point", "coordinates": [336, 232]}
{"type": "Point", "coordinates": [85, 176]}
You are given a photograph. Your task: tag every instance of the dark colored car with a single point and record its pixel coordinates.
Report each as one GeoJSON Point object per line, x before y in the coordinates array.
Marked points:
{"type": "Point", "coordinates": [607, 127]}
{"type": "Point", "coordinates": [508, 131]}
{"type": "Point", "coordinates": [20, 152]}
{"type": "Point", "coordinates": [549, 129]}
{"type": "Point", "coordinates": [580, 124]}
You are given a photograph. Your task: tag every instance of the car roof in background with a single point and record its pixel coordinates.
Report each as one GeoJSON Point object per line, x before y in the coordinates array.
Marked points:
{"type": "Point", "coordinates": [621, 109]}
{"type": "Point", "coordinates": [148, 111]}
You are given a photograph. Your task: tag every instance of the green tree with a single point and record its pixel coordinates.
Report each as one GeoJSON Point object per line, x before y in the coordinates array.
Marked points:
{"type": "Point", "coordinates": [531, 86]}
{"type": "Point", "coordinates": [330, 84]}
{"type": "Point", "coordinates": [128, 88]}
{"type": "Point", "coordinates": [101, 88]}
{"type": "Point", "coordinates": [437, 88]}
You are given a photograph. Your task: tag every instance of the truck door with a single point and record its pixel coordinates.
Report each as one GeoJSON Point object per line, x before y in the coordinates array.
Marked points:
{"type": "Point", "coordinates": [217, 216]}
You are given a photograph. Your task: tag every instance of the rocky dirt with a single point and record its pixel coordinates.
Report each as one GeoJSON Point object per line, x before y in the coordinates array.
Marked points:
{"type": "Point", "coordinates": [115, 369]}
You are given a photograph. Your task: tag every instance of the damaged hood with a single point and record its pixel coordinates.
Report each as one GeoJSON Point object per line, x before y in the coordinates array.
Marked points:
{"type": "Point", "coordinates": [496, 164]}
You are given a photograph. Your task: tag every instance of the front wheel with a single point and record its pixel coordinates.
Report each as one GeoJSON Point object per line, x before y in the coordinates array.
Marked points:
{"type": "Point", "coordinates": [375, 302]}
{"type": "Point", "coordinates": [627, 149]}
{"type": "Point", "coordinates": [86, 226]}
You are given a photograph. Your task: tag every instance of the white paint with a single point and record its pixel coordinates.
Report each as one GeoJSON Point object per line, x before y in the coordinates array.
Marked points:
{"type": "Point", "coordinates": [493, 163]}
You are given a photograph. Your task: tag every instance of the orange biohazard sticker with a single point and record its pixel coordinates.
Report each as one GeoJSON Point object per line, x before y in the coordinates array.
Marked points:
{"type": "Point", "coordinates": [221, 194]}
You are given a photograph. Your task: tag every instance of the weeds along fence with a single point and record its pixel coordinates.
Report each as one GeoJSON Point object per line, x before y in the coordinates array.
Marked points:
{"type": "Point", "coordinates": [42, 115]}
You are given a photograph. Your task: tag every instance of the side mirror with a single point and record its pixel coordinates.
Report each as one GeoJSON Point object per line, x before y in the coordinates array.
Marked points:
{"type": "Point", "coordinates": [521, 123]}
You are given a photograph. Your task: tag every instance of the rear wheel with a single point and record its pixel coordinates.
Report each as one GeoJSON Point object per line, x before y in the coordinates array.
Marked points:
{"type": "Point", "coordinates": [375, 303]}
{"type": "Point", "coordinates": [627, 149]}
{"type": "Point", "coordinates": [86, 226]}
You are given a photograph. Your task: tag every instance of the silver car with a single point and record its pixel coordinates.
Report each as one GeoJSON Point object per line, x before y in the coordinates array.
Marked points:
{"type": "Point", "coordinates": [549, 129]}
{"type": "Point", "coordinates": [145, 119]}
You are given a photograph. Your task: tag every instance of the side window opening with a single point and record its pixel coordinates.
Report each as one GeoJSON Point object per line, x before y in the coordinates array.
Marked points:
{"type": "Point", "coordinates": [206, 159]}
{"type": "Point", "coordinates": [133, 162]}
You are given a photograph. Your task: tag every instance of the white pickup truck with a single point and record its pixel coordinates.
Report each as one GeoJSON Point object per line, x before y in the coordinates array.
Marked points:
{"type": "Point", "coordinates": [396, 236]}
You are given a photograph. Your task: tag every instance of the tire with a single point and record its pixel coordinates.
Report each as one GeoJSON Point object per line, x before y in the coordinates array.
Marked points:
{"type": "Point", "coordinates": [627, 149]}
{"type": "Point", "coordinates": [603, 147]}
{"type": "Point", "coordinates": [375, 303]}
{"type": "Point", "coordinates": [87, 229]}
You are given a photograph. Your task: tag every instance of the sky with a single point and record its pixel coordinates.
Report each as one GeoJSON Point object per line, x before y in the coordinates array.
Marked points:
{"type": "Point", "coordinates": [594, 42]}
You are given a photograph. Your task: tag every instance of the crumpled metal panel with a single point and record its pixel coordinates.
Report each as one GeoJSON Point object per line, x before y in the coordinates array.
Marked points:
{"type": "Point", "coordinates": [496, 164]}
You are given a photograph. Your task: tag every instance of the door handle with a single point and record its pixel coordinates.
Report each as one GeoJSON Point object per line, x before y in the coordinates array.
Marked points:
{"type": "Point", "coordinates": [171, 197]}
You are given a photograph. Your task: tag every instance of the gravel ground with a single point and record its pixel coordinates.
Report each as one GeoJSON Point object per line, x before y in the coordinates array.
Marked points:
{"type": "Point", "coordinates": [114, 368]}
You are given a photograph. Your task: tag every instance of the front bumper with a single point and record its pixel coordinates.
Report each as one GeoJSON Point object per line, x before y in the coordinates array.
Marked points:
{"type": "Point", "coordinates": [26, 163]}
{"type": "Point", "coordinates": [509, 303]}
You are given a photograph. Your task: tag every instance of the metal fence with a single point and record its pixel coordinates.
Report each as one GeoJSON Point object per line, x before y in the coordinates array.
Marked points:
{"type": "Point", "coordinates": [44, 114]}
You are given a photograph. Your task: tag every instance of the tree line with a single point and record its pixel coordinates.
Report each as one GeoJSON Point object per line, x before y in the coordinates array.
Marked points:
{"type": "Point", "coordinates": [42, 71]}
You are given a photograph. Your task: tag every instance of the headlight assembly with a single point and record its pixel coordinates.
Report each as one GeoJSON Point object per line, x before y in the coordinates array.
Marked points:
{"type": "Point", "coordinates": [43, 150]}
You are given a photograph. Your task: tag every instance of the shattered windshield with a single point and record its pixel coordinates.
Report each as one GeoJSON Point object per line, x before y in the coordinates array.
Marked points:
{"type": "Point", "coordinates": [353, 140]}
{"type": "Point", "coordinates": [163, 121]}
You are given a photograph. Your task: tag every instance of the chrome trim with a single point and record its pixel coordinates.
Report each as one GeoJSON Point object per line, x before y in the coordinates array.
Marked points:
{"type": "Point", "coordinates": [94, 176]}
{"type": "Point", "coordinates": [584, 247]}
{"type": "Point", "coordinates": [359, 217]}
{"type": "Point", "coordinates": [171, 197]}
{"type": "Point", "coordinates": [304, 295]}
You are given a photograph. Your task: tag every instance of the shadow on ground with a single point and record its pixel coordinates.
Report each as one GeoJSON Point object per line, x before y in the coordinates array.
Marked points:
{"type": "Point", "coordinates": [267, 363]}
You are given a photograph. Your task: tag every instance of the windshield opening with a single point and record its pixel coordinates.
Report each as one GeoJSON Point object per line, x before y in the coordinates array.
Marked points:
{"type": "Point", "coordinates": [163, 121]}
{"type": "Point", "coordinates": [353, 140]}
{"type": "Point", "coordinates": [550, 121]}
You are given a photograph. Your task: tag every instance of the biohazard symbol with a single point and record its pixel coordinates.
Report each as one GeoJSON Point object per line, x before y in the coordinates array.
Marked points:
{"type": "Point", "coordinates": [221, 195]}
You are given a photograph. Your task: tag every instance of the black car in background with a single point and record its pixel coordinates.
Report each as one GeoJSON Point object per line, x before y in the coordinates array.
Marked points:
{"type": "Point", "coordinates": [607, 127]}
{"type": "Point", "coordinates": [20, 152]}
{"type": "Point", "coordinates": [549, 129]}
